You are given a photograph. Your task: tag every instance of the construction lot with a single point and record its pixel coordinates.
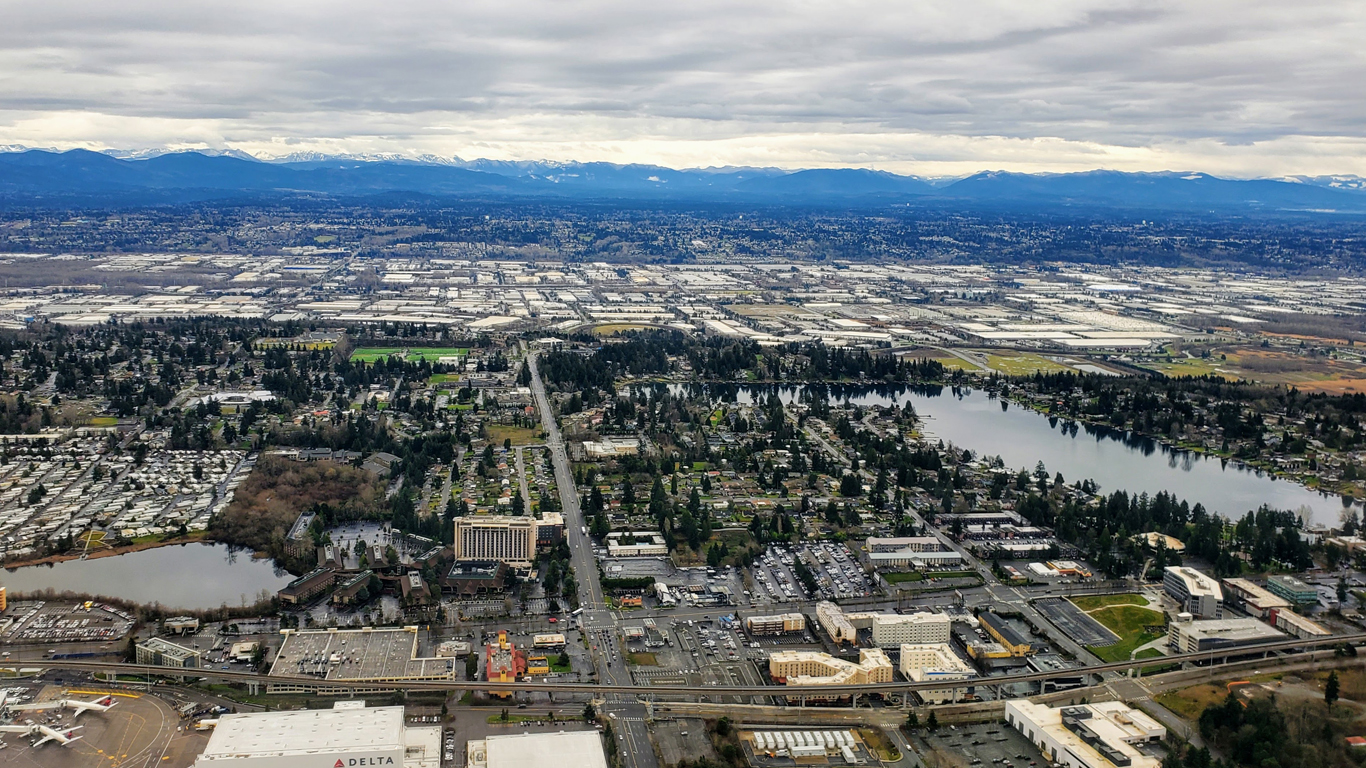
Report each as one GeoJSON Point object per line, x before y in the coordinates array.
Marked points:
{"type": "Point", "coordinates": [990, 745]}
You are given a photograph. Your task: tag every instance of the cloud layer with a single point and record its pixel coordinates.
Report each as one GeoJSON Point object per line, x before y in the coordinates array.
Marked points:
{"type": "Point", "coordinates": [921, 86]}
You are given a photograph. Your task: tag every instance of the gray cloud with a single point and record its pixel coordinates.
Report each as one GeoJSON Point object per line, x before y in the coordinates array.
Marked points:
{"type": "Point", "coordinates": [921, 85]}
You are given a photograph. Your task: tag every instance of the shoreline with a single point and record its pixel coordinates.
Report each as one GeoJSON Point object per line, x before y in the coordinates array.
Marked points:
{"type": "Point", "coordinates": [193, 538]}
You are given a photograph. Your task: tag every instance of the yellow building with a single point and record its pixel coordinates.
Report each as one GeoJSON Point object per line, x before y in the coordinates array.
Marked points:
{"type": "Point", "coordinates": [815, 669]}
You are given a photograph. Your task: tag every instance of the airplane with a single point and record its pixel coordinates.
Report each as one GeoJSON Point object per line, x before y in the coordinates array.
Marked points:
{"type": "Point", "coordinates": [63, 737]}
{"type": "Point", "coordinates": [98, 705]}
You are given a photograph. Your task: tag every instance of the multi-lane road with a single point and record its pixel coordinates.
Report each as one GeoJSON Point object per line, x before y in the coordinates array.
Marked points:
{"type": "Point", "coordinates": [626, 714]}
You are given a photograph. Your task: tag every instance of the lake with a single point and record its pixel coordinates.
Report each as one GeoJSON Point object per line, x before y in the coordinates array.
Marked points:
{"type": "Point", "coordinates": [1115, 460]}
{"type": "Point", "coordinates": [189, 576]}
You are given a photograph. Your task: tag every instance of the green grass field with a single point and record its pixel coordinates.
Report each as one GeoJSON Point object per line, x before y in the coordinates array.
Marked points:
{"type": "Point", "coordinates": [898, 578]}
{"type": "Point", "coordinates": [1127, 621]}
{"type": "Point", "coordinates": [104, 421]}
{"type": "Point", "coordinates": [430, 354]}
{"type": "Point", "coordinates": [1092, 602]}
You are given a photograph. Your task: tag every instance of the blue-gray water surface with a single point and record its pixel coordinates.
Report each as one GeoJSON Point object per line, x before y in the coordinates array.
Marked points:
{"type": "Point", "coordinates": [189, 576]}
{"type": "Point", "coordinates": [1115, 460]}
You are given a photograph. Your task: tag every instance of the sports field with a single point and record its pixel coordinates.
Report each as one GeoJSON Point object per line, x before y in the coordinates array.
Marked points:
{"type": "Point", "coordinates": [411, 354]}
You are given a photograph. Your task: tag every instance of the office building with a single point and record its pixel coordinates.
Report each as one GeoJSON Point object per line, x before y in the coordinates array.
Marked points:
{"type": "Point", "coordinates": [1195, 593]}
{"type": "Point", "coordinates": [776, 625]}
{"type": "Point", "coordinates": [1292, 589]}
{"type": "Point", "coordinates": [510, 540]}
{"type": "Point", "coordinates": [181, 625]}
{"type": "Point", "coordinates": [350, 734]}
{"type": "Point", "coordinates": [636, 544]}
{"type": "Point", "coordinates": [1252, 599]}
{"type": "Point", "coordinates": [893, 629]}
{"type": "Point", "coordinates": [566, 749]}
{"type": "Point", "coordinates": [549, 530]}
{"type": "Point", "coordinates": [910, 552]}
{"type": "Point", "coordinates": [832, 620]}
{"type": "Point", "coordinates": [1186, 635]}
{"type": "Point", "coordinates": [1103, 735]}
{"type": "Point", "coordinates": [888, 629]}
{"type": "Point", "coordinates": [935, 662]}
{"type": "Point", "coordinates": [312, 584]}
{"type": "Point", "coordinates": [158, 652]}
{"type": "Point", "coordinates": [814, 669]}
{"type": "Point", "coordinates": [476, 578]}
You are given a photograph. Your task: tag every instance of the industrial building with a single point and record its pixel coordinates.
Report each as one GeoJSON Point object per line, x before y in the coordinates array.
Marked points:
{"type": "Point", "coordinates": [1101, 735]}
{"type": "Point", "coordinates": [350, 734]}
{"type": "Point", "coordinates": [566, 749]}
{"type": "Point", "coordinates": [1292, 589]}
{"type": "Point", "coordinates": [510, 540]}
{"type": "Point", "coordinates": [1294, 624]}
{"type": "Point", "coordinates": [1014, 643]}
{"type": "Point", "coordinates": [779, 624]}
{"type": "Point", "coordinates": [814, 669]}
{"type": "Point", "coordinates": [933, 662]}
{"type": "Point", "coordinates": [1252, 599]}
{"type": "Point", "coordinates": [1195, 592]}
{"type": "Point", "coordinates": [358, 660]}
{"type": "Point", "coordinates": [159, 652]}
{"type": "Point", "coordinates": [1186, 635]}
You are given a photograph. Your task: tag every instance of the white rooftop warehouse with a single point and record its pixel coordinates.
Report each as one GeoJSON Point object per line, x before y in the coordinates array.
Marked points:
{"type": "Point", "coordinates": [321, 737]}
{"type": "Point", "coordinates": [566, 749]}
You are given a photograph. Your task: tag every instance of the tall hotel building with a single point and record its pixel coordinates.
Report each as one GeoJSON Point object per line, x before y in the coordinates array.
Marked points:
{"type": "Point", "coordinates": [510, 540]}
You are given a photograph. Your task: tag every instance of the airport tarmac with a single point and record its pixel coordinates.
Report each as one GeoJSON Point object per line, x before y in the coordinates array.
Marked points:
{"type": "Point", "coordinates": [141, 731]}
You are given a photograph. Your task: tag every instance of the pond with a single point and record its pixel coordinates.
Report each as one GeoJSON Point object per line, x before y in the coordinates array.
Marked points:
{"type": "Point", "coordinates": [1114, 459]}
{"type": "Point", "coordinates": [187, 576]}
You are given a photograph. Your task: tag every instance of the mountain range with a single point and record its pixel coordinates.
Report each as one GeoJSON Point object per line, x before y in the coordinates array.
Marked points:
{"type": "Point", "coordinates": [29, 175]}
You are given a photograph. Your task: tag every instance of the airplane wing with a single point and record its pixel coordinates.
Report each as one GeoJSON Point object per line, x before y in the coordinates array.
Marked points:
{"type": "Point", "coordinates": [61, 737]}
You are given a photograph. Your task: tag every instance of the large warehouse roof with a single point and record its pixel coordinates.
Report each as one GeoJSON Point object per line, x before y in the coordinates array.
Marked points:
{"type": "Point", "coordinates": [305, 732]}
{"type": "Point", "coordinates": [566, 749]}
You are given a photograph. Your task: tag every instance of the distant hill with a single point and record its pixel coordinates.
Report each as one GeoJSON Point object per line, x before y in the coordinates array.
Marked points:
{"type": "Point", "coordinates": [168, 177]}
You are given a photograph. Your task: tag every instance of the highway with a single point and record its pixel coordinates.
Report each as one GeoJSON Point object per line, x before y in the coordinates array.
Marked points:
{"type": "Point", "coordinates": [626, 714]}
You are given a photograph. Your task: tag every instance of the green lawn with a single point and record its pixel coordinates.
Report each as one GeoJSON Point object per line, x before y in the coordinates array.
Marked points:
{"type": "Point", "coordinates": [1127, 621]}
{"type": "Point", "coordinates": [430, 354]}
{"type": "Point", "coordinates": [1092, 602]}
{"type": "Point", "coordinates": [104, 421]}
{"type": "Point", "coordinates": [897, 578]}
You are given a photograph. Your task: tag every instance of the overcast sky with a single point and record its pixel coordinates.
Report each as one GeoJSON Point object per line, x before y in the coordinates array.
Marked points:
{"type": "Point", "coordinates": [914, 86]}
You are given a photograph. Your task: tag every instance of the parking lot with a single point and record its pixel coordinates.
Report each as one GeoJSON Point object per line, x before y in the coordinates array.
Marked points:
{"type": "Point", "coordinates": [1075, 623]}
{"type": "Point", "coordinates": [44, 622]}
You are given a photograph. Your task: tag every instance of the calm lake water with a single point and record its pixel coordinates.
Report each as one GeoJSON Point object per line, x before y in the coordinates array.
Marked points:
{"type": "Point", "coordinates": [1115, 460]}
{"type": "Point", "coordinates": [179, 576]}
